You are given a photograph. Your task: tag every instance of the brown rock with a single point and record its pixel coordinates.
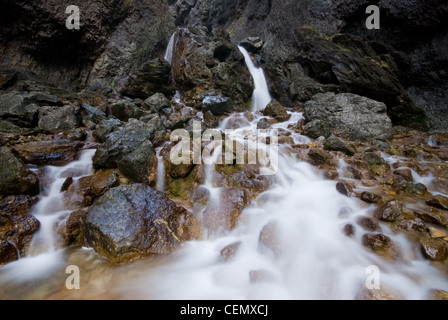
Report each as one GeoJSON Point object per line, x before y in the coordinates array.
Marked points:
{"type": "Point", "coordinates": [439, 295]}
{"type": "Point", "coordinates": [434, 249]}
{"type": "Point", "coordinates": [380, 244]}
{"type": "Point", "coordinates": [229, 252]}
{"type": "Point", "coordinates": [72, 232]}
{"type": "Point", "coordinates": [368, 223]}
{"type": "Point", "coordinates": [413, 225]}
{"type": "Point", "coordinates": [318, 157]}
{"type": "Point", "coordinates": [390, 212]}
{"type": "Point", "coordinates": [433, 216]}
{"type": "Point", "coordinates": [439, 202]}
{"type": "Point", "coordinates": [276, 110]}
{"type": "Point", "coordinates": [349, 230]}
{"type": "Point", "coordinates": [8, 252]}
{"type": "Point", "coordinates": [370, 197]}
{"type": "Point", "coordinates": [345, 189]}
{"type": "Point", "coordinates": [403, 174]}
{"type": "Point", "coordinates": [269, 239]}
{"type": "Point", "coordinates": [48, 151]}
{"type": "Point", "coordinates": [381, 294]}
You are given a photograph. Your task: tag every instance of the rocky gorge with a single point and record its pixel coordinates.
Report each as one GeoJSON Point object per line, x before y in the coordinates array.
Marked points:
{"type": "Point", "coordinates": [362, 123]}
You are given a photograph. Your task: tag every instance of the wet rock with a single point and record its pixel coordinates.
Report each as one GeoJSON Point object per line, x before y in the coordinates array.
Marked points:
{"type": "Point", "coordinates": [157, 102]}
{"type": "Point", "coordinates": [252, 44]}
{"type": "Point", "coordinates": [370, 197]}
{"type": "Point", "coordinates": [19, 225]}
{"type": "Point", "coordinates": [402, 174]}
{"type": "Point", "coordinates": [434, 249]}
{"type": "Point", "coordinates": [347, 115]}
{"type": "Point", "coordinates": [333, 143]}
{"type": "Point", "coordinates": [345, 189]}
{"type": "Point", "coordinates": [124, 110]}
{"type": "Point", "coordinates": [229, 252]}
{"type": "Point", "coordinates": [413, 225]}
{"type": "Point", "coordinates": [349, 230]}
{"type": "Point", "coordinates": [263, 124]}
{"type": "Point", "coordinates": [319, 157]}
{"type": "Point", "coordinates": [124, 141]}
{"type": "Point", "coordinates": [102, 181]}
{"type": "Point", "coordinates": [275, 110]}
{"type": "Point", "coordinates": [269, 239]}
{"type": "Point", "coordinates": [439, 202]}
{"type": "Point", "coordinates": [67, 183]}
{"type": "Point", "coordinates": [93, 111]}
{"type": "Point", "coordinates": [217, 105]}
{"type": "Point", "coordinates": [377, 295]}
{"type": "Point", "coordinates": [18, 108]}
{"type": "Point", "coordinates": [8, 252]}
{"type": "Point", "coordinates": [106, 127]}
{"type": "Point", "coordinates": [433, 216]}
{"type": "Point", "coordinates": [218, 218]}
{"type": "Point", "coordinates": [368, 223]}
{"type": "Point", "coordinates": [15, 178]}
{"type": "Point", "coordinates": [140, 163]}
{"type": "Point", "coordinates": [48, 151]}
{"type": "Point", "coordinates": [436, 233]}
{"type": "Point", "coordinates": [390, 212]}
{"type": "Point", "coordinates": [380, 244]}
{"type": "Point", "coordinates": [439, 295]}
{"type": "Point", "coordinates": [130, 222]}
{"type": "Point", "coordinates": [59, 118]}
{"type": "Point", "coordinates": [407, 187]}
{"type": "Point", "coordinates": [72, 233]}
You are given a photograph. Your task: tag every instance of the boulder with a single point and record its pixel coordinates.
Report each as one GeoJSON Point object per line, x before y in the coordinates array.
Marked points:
{"type": "Point", "coordinates": [140, 163]}
{"type": "Point", "coordinates": [157, 102]}
{"type": "Point", "coordinates": [346, 115]}
{"type": "Point", "coordinates": [124, 141]}
{"type": "Point", "coordinates": [18, 108]}
{"type": "Point", "coordinates": [390, 212]}
{"type": "Point", "coordinates": [276, 110]}
{"type": "Point", "coordinates": [434, 249]}
{"type": "Point", "coordinates": [134, 221]}
{"type": "Point", "coordinates": [217, 105]}
{"type": "Point", "coordinates": [15, 178]}
{"type": "Point", "coordinates": [333, 143]}
{"type": "Point", "coordinates": [124, 110]}
{"type": "Point", "coordinates": [105, 127]}
{"type": "Point", "coordinates": [59, 118]}
{"type": "Point", "coordinates": [48, 151]}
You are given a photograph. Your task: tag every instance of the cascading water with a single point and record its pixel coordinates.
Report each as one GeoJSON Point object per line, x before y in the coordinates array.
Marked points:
{"type": "Point", "coordinates": [170, 49]}
{"type": "Point", "coordinates": [261, 96]}
{"type": "Point", "coordinates": [160, 182]}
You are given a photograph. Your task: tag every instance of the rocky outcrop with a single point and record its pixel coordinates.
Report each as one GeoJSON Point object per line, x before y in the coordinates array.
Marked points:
{"type": "Point", "coordinates": [131, 222]}
{"type": "Point", "coordinates": [347, 115]}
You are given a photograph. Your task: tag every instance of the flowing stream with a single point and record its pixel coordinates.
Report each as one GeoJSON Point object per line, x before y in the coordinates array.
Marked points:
{"type": "Point", "coordinates": [312, 257]}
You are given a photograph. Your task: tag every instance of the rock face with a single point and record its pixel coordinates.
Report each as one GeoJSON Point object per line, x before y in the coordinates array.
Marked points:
{"type": "Point", "coordinates": [347, 115]}
{"type": "Point", "coordinates": [15, 178]}
{"type": "Point", "coordinates": [130, 222]}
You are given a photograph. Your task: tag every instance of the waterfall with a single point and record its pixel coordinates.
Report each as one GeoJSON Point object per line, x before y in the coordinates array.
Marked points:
{"type": "Point", "coordinates": [170, 49]}
{"type": "Point", "coordinates": [261, 96]}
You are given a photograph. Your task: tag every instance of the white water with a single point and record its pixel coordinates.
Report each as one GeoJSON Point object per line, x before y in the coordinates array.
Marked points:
{"type": "Point", "coordinates": [261, 96]}
{"type": "Point", "coordinates": [170, 49]}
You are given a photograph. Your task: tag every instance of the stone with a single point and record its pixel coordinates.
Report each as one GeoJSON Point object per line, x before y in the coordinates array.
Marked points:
{"type": "Point", "coordinates": [433, 216]}
{"type": "Point", "coordinates": [157, 102]}
{"type": "Point", "coordinates": [252, 44]}
{"type": "Point", "coordinates": [390, 212]}
{"type": "Point", "coordinates": [346, 115]}
{"type": "Point", "coordinates": [439, 202]}
{"type": "Point", "coordinates": [15, 178]}
{"type": "Point", "coordinates": [269, 239]}
{"type": "Point", "coordinates": [349, 230]}
{"type": "Point", "coordinates": [93, 111]}
{"type": "Point", "coordinates": [403, 174]}
{"type": "Point", "coordinates": [8, 252]}
{"type": "Point", "coordinates": [434, 249]}
{"type": "Point", "coordinates": [318, 157]}
{"type": "Point", "coordinates": [217, 105]}
{"type": "Point", "coordinates": [275, 110]}
{"type": "Point", "coordinates": [59, 118]}
{"type": "Point", "coordinates": [333, 143]}
{"type": "Point", "coordinates": [139, 164]}
{"type": "Point", "coordinates": [381, 245]}
{"type": "Point", "coordinates": [383, 294]}
{"type": "Point", "coordinates": [124, 141]}
{"type": "Point", "coordinates": [230, 251]}
{"type": "Point", "coordinates": [413, 225]}
{"type": "Point", "coordinates": [370, 197]}
{"type": "Point", "coordinates": [368, 223]}
{"type": "Point", "coordinates": [105, 127]}
{"type": "Point", "coordinates": [124, 110]}
{"type": "Point", "coordinates": [48, 150]}
{"type": "Point", "coordinates": [134, 221]}
{"type": "Point", "coordinates": [439, 295]}
{"type": "Point", "coordinates": [72, 233]}
{"type": "Point", "coordinates": [345, 189]}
